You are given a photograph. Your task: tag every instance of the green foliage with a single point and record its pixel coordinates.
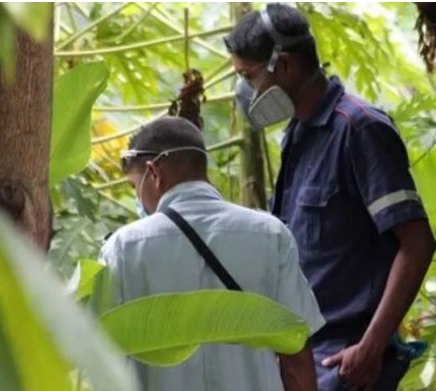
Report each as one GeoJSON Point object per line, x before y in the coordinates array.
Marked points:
{"type": "Point", "coordinates": [74, 95]}
{"type": "Point", "coordinates": [43, 335]}
{"type": "Point", "coordinates": [30, 17]}
{"type": "Point", "coordinates": [372, 48]}
{"type": "Point", "coordinates": [82, 283]}
{"type": "Point", "coordinates": [168, 329]}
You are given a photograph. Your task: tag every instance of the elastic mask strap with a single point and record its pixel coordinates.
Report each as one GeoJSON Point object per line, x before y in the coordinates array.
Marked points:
{"type": "Point", "coordinates": [281, 41]}
{"type": "Point", "coordinates": [180, 149]}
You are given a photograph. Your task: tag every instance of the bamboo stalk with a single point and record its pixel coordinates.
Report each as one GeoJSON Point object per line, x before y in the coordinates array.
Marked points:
{"type": "Point", "coordinates": [140, 45]}
{"type": "Point", "coordinates": [159, 106]}
{"type": "Point", "coordinates": [82, 32]}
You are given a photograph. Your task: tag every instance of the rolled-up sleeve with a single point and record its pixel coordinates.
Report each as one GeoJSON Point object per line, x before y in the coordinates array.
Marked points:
{"type": "Point", "coordinates": [294, 291]}
{"type": "Point", "coordinates": [381, 171]}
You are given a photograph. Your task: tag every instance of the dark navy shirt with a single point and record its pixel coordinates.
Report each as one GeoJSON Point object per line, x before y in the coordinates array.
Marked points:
{"type": "Point", "coordinates": [343, 185]}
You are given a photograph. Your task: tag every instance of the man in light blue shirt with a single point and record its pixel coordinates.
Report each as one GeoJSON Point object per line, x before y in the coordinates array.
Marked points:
{"type": "Point", "coordinates": [167, 164]}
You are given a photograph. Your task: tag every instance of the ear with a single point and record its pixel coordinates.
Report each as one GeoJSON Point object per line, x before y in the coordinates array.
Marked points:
{"type": "Point", "coordinates": [285, 64]}
{"type": "Point", "coordinates": [155, 172]}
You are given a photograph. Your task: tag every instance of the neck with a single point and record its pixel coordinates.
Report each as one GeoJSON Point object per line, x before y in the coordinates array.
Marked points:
{"type": "Point", "coordinates": [174, 181]}
{"type": "Point", "coordinates": [307, 102]}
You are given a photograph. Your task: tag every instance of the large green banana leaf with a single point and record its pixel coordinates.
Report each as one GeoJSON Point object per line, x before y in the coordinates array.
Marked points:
{"type": "Point", "coordinates": [168, 329]}
{"type": "Point", "coordinates": [43, 334]}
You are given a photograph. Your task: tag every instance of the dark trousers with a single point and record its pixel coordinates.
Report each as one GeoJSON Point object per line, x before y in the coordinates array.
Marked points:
{"type": "Point", "coordinates": [393, 369]}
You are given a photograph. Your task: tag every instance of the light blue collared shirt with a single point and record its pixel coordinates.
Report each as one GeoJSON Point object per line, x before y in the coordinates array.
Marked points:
{"type": "Point", "coordinates": [152, 256]}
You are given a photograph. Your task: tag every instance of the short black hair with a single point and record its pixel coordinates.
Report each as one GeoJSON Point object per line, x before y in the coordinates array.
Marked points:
{"type": "Point", "coordinates": [250, 39]}
{"type": "Point", "coordinates": [164, 134]}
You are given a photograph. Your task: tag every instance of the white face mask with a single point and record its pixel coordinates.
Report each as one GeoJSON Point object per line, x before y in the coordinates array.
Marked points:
{"type": "Point", "coordinates": [271, 107]}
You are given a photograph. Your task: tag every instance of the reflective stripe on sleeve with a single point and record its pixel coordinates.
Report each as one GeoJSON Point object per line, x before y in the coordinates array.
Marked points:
{"type": "Point", "coordinates": [392, 199]}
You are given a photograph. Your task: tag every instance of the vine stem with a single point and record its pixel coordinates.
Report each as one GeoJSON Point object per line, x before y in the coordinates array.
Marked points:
{"type": "Point", "coordinates": [140, 45]}
{"type": "Point", "coordinates": [91, 26]}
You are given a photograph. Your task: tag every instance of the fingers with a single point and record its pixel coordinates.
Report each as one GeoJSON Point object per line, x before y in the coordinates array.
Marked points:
{"type": "Point", "coordinates": [332, 361]}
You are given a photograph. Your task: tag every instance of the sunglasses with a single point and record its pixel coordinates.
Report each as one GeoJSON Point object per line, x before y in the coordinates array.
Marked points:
{"type": "Point", "coordinates": [127, 157]}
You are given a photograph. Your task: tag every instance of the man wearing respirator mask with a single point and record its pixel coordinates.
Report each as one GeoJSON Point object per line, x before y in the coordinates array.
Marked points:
{"type": "Point", "coordinates": [345, 192]}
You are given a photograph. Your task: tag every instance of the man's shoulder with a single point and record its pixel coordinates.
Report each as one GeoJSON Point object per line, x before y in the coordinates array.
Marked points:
{"type": "Point", "coordinates": [137, 230]}
{"type": "Point", "coordinates": [358, 113]}
{"type": "Point", "coordinates": [256, 219]}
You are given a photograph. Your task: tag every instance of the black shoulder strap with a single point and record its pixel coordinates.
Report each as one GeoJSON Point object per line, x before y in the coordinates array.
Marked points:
{"type": "Point", "coordinates": [202, 248]}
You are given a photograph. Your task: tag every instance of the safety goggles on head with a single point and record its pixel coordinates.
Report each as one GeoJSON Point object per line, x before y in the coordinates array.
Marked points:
{"type": "Point", "coordinates": [280, 41]}
{"type": "Point", "coordinates": [129, 155]}
{"type": "Point", "coordinates": [132, 154]}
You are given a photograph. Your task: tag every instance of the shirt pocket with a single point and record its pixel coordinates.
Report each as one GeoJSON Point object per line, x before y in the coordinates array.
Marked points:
{"type": "Point", "coordinates": [310, 214]}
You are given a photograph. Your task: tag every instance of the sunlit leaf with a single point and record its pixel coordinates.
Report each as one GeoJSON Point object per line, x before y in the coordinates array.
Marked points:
{"type": "Point", "coordinates": [168, 329]}
{"type": "Point", "coordinates": [81, 284]}
{"type": "Point", "coordinates": [74, 95]}
{"type": "Point", "coordinates": [45, 333]}
{"type": "Point", "coordinates": [32, 17]}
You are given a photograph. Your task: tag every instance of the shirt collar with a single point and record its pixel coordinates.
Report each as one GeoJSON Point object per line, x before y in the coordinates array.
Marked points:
{"type": "Point", "coordinates": [188, 191]}
{"type": "Point", "coordinates": [326, 106]}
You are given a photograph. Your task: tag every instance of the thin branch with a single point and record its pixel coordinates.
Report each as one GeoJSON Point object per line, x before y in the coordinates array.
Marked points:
{"type": "Point", "coordinates": [135, 25]}
{"type": "Point", "coordinates": [221, 78]}
{"type": "Point", "coordinates": [426, 153]}
{"type": "Point", "coordinates": [172, 24]}
{"type": "Point", "coordinates": [80, 9]}
{"type": "Point", "coordinates": [124, 133]}
{"type": "Point", "coordinates": [431, 300]}
{"type": "Point", "coordinates": [115, 182]}
{"type": "Point", "coordinates": [159, 106]}
{"type": "Point", "coordinates": [65, 28]}
{"type": "Point", "coordinates": [233, 142]}
{"type": "Point", "coordinates": [218, 69]}
{"type": "Point", "coordinates": [186, 12]}
{"type": "Point", "coordinates": [81, 33]}
{"type": "Point", "coordinates": [71, 18]}
{"type": "Point", "coordinates": [140, 45]}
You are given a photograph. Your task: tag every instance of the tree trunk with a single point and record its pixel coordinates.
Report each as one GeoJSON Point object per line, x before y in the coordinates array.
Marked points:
{"type": "Point", "coordinates": [25, 124]}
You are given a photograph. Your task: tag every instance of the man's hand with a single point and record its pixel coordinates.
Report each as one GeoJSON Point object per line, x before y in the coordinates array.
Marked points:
{"type": "Point", "coordinates": [359, 366]}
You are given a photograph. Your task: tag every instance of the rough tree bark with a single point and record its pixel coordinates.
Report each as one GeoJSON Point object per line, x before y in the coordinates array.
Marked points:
{"type": "Point", "coordinates": [25, 124]}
